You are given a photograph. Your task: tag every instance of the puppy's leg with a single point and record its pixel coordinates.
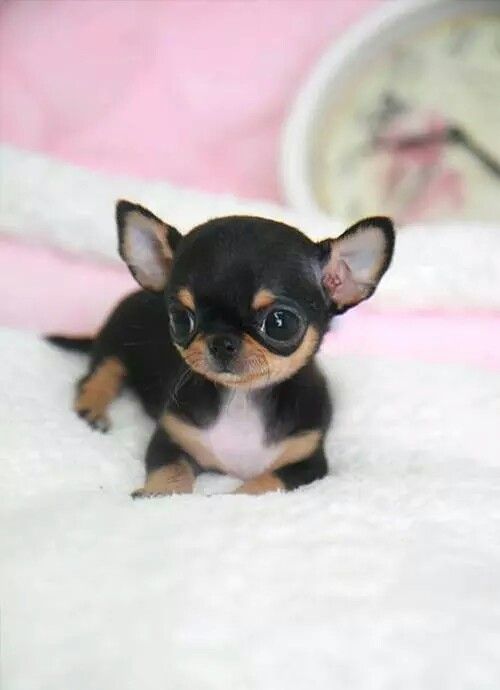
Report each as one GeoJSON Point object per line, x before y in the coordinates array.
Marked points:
{"type": "Point", "coordinates": [107, 371]}
{"type": "Point", "coordinates": [96, 391]}
{"type": "Point", "coordinates": [263, 484]}
{"type": "Point", "coordinates": [167, 468]}
{"type": "Point", "coordinates": [289, 477]}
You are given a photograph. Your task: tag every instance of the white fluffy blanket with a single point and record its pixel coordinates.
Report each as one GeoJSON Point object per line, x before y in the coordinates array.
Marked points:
{"type": "Point", "coordinates": [444, 266]}
{"type": "Point", "coordinates": [384, 576]}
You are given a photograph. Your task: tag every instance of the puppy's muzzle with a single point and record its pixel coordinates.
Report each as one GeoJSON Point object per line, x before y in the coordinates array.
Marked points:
{"type": "Point", "coordinates": [223, 351]}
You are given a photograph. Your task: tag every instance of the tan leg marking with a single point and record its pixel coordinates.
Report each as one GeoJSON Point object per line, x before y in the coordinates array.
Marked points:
{"type": "Point", "coordinates": [174, 478]}
{"type": "Point", "coordinates": [263, 298]}
{"type": "Point", "coordinates": [100, 389]}
{"type": "Point", "coordinates": [186, 298]}
{"type": "Point", "coordinates": [296, 448]}
{"type": "Point", "coordinates": [187, 437]}
{"type": "Point", "coordinates": [293, 449]}
{"type": "Point", "coordinates": [263, 484]}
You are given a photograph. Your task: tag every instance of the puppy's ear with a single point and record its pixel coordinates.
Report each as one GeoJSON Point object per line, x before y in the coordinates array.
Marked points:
{"type": "Point", "coordinates": [354, 263]}
{"type": "Point", "coordinates": [146, 244]}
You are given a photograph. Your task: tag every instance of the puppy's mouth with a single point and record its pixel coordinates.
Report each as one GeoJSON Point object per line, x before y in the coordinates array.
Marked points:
{"type": "Point", "coordinates": [242, 372]}
{"type": "Point", "coordinates": [247, 368]}
{"type": "Point", "coordinates": [252, 366]}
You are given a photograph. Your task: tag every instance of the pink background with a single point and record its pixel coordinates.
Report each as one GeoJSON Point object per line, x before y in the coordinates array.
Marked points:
{"type": "Point", "coordinates": [192, 92]}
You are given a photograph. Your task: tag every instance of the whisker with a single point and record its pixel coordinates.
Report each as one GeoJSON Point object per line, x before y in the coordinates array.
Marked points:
{"type": "Point", "coordinates": [182, 380]}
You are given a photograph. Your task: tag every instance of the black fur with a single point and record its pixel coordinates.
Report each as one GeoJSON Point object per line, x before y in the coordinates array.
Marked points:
{"type": "Point", "coordinates": [71, 344]}
{"type": "Point", "coordinates": [224, 263]}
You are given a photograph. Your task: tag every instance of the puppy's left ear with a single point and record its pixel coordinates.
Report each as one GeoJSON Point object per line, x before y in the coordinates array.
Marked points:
{"type": "Point", "coordinates": [354, 263]}
{"type": "Point", "coordinates": [146, 244]}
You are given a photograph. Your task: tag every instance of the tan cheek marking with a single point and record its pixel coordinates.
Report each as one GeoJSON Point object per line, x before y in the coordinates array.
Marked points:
{"type": "Point", "coordinates": [297, 447]}
{"type": "Point", "coordinates": [174, 478]}
{"type": "Point", "coordinates": [187, 437]}
{"type": "Point", "coordinates": [186, 298]}
{"type": "Point", "coordinates": [284, 367]}
{"type": "Point", "coordinates": [194, 355]}
{"type": "Point", "coordinates": [276, 367]}
{"type": "Point", "coordinates": [100, 389]}
{"type": "Point", "coordinates": [263, 484]}
{"type": "Point", "coordinates": [263, 298]}
{"type": "Point", "coordinates": [259, 366]}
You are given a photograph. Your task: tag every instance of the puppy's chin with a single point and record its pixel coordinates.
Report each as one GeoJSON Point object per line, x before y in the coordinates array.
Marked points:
{"type": "Point", "coordinates": [245, 381]}
{"type": "Point", "coordinates": [246, 378]}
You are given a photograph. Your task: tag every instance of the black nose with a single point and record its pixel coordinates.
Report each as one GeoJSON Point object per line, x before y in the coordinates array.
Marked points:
{"type": "Point", "coordinates": [223, 347]}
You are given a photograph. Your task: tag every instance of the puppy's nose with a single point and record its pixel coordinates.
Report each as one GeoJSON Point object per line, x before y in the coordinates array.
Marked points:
{"type": "Point", "coordinates": [223, 348]}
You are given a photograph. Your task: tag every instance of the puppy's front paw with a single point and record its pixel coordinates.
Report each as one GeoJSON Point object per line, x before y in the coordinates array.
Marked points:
{"type": "Point", "coordinates": [92, 406]}
{"type": "Point", "coordinates": [96, 419]}
{"type": "Point", "coordinates": [174, 478]}
{"type": "Point", "coordinates": [97, 391]}
{"type": "Point", "coordinates": [141, 493]}
{"type": "Point", "coordinates": [144, 493]}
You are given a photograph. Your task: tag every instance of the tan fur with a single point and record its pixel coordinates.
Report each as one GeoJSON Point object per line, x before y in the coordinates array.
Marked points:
{"type": "Point", "coordinates": [267, 367]}
{"type": "Point", "coordinates": [263, 298]}
{"type": "Point", "coordinates": [264, 484]}
{"type": "Point", "coordinates": [186, 298]}
{"type": "Point", "coordinates": [174, 478]}
{"type": "Point", "coordinates": [194, 355]}
{"type": "Point", "coordinates": [96, 394]}
{"type": "Point", "coordinates": [187, 437]}
{"type": "Point", "coordinates": [297, 447]}
{"type": "Point", "coordinates": [257, 366]}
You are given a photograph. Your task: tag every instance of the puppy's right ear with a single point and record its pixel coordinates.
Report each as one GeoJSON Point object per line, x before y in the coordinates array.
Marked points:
{"type": "Point", "coordinates": [146, 244]}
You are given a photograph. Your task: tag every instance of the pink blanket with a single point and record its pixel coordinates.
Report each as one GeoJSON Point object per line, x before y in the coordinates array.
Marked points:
{"type": "Point", "coordinates": [192, 92]}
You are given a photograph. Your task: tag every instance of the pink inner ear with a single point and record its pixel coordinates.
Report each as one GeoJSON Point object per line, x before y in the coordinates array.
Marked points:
{"type": "Point", "coordinates": [340, 283]}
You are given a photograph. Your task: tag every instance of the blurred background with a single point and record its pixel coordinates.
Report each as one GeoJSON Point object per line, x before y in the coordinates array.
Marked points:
{"type": "Point", "coordinates": [336, 108]}
{"type": "Point", "coordinates": [195, 93]}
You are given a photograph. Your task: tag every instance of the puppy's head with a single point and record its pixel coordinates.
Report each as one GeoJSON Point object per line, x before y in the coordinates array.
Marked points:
{"type": "Point", "coordinates": [249, 299]}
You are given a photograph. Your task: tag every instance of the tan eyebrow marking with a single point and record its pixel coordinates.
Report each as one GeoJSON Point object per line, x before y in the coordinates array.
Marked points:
{"type": "Point", "coordinates": [186, 298]}
{"type": "Point", "coordinates": [263, 298]}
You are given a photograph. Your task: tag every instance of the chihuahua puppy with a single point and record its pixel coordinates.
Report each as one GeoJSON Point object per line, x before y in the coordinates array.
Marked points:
{"type": "Point", "coordinates": [220, 342]}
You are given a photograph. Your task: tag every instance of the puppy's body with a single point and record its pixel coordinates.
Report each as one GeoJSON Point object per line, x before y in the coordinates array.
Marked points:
{"type": "Point", "coordinates": [220, 348]}
{"type": "Point", "coordinates": [241, 432]}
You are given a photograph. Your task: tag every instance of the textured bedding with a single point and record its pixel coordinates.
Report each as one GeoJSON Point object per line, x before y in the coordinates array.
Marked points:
{"type": "Point", "coordinates": [384, 575]}
{"type": "Point", "coordinates": [451, 266]}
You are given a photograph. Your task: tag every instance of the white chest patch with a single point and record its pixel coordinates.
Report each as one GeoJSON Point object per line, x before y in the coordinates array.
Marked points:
{"type": "Point", "coordinates": [237, 438]}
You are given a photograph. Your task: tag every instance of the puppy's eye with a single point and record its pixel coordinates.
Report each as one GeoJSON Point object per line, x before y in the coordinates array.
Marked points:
{"type": "Point", "coordinates": [282, 325]}
{"type": "Point", "coordinates": [182, 324]}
